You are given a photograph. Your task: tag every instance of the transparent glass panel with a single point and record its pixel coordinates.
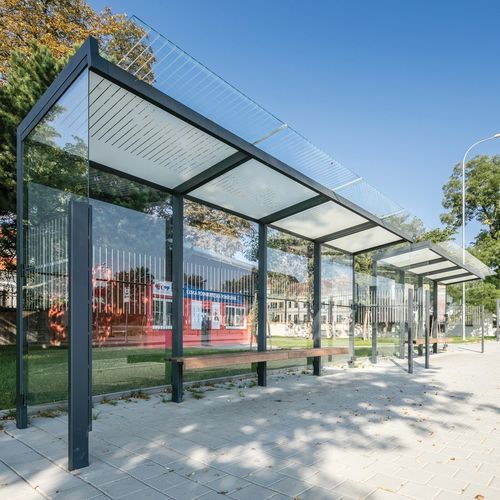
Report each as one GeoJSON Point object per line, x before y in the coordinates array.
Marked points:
{"type": "Point", "coordinates": [448, 274]}
{"type": "Point", "coordinates": [254, 190]}
{"type": "Point", "coordinates": [289, 291]}
{"type": "Point", "coordinates": [364, 240]}
{"type": "Point", "coordinates": [320, 221]}
{"type": "Point", "coordinates": [132, 283]}
{"type": "Point", "coordinates": [431, 267]}
{"type": "Point", "coordinates": [458, 280]}
{"type": "Point", "coordinates": [220, 285]}
{"type": "Point", "coordinates": [134, 136]}
{"type": "Point", "coordinates": [55, 171]}
{"type": "Point", "coordinates": [411, 257]}
{"type": "Point", "coordinates": [336, 301]}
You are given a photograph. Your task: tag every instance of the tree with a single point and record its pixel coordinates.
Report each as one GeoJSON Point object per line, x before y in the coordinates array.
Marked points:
{"type": "Point", "coordinates": [62, 25]}
{"type": "Point", "coordinates": [482, 178]}
{"type": "Point", "coordinates": [482, 202]}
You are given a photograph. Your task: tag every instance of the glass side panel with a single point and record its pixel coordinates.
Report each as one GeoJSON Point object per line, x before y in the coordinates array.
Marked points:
{"type": "Point", "coordinates": [55, 171]}
{"type": "Point", "coordinates": [336, 301]}
{"type": "Point", "coordinates": [131, 283]}
{"type": "Point", "coordinates": [220, 285]}
{"type": "Point", "coordinates": [289, 291]}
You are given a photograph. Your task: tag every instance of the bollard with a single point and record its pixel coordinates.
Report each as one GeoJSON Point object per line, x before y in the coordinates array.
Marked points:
{"type": "Point", "coordinates": [482, 329]}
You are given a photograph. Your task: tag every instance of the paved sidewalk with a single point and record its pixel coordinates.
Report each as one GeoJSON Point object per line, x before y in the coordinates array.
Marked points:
{"type": "Point", "coordinates": [372, 432]}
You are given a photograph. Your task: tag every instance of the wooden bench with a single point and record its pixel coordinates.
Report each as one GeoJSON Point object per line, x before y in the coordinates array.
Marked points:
{"type": "Point", "coordinates": [434, 341]}
{"type": "Point", "coordinates": [231, 359]}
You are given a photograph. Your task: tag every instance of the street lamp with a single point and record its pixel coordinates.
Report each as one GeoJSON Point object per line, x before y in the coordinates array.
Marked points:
{"type": "Point", "coordinates": [496, 136]}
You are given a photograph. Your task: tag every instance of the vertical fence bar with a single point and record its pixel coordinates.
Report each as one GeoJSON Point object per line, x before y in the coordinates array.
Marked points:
{"type": "Point", "coordinates": [482, 328]}
{"type": "Point", "coordinates": [374, 311]}
{"type": "Point", "coordinates": [178, 295]}
{"type": "Point", "coordinates": [317, 306]}
{"type": "Point", "coordinates": [79, 356]}
{"type": "Point", "coordinates": [427, 326]}
{"type": "Point", "coordinates": [410, 330]}
{"type": "Point", "coordinates": [262, 304]}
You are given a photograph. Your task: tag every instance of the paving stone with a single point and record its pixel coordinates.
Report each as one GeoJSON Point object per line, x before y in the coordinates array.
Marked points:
{"type": "Point", "coordinates": [420, 491]}
{"type": "Point", "coordinates": [252, 492]}
{"type": "Point", "coordinates": [187, 490]}
{"type": "Point", "coordinates": [121, 487]}
{"type": "Point", "coordinates": [228, 484]}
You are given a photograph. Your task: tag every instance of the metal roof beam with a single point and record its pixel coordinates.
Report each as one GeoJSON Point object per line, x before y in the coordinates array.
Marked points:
{"type": "Point", "coordinates": [347, 232]}
{"type": "Point", "coordinates": [212, 172]}
{"type": "Point", "coordinates": [295, 209]}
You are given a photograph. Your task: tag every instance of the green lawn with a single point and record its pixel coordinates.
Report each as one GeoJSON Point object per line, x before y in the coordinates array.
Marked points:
{"type": "Point", "coordinates": [125, 368]}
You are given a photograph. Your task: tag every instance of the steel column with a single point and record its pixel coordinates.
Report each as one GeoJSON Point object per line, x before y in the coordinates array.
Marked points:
{"type": "Point", "coordinates": [420, 310]}
{"type": "Point", "coordinates": [262, 304]}
{"type": "Point", "coordinates": [21, 404]}
{"type": "Point", "coordinates": [427, 326]}
{"type": "Point", "coordinates": [410, 330]}
{"type": "Point", "coordinates": [317, 306]}
{"type": "Point", "coordinates": [80, 335]}
{"type": "Point", "coordinates": [402, 317]}
{"type": "Point", "coordinates": [435, 324]}
{"type": "Point", "coordinates": [374, 311]}
{"type": "Point", "coordinates": [352, 330]}
{"type": "Point", "coordinates": [178, 295]}
{"type": "Point", "coordinates": [482, 329]}
{"type": "Point", "coordinates": [498, 320]}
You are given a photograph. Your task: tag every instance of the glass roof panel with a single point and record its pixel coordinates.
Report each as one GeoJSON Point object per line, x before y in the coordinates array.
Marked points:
{"type": "Point", "coordinates": [411, 257]}
{"type": "Point", "coordinates": [321, 220]}
{"type": "Point", "coordinates": [431, 267]}
{"type": "Point", "coordinates": [254, 190]}
{"type": "Point", "coordinates": [446, 274]}
{"type": "Point", "coordinates": [458, 280]}
{"type": "Point", "coordinates": [158, 61]}
{"type": "Point", "coordinates": [133, 136]}
{"type": "Point", "coordinates": [364, 240]}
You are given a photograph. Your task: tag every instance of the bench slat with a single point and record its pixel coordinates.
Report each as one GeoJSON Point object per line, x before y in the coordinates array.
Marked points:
{"type": "Point", "coordinates": [222, 360]}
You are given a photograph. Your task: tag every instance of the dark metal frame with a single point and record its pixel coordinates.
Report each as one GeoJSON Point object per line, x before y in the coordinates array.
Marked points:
{"type": "Point", "coordinates": [410, 330]}
{"type": "Point", "coordinates": [374, 312]}
{"type": "Point", "coordinates": [80, 333]}
{"type": "Point", "coordinates": [427, 326]}
{"type": "Point", "coordinates": [317, 306]}
{"type": "Point", "coordinates": [178, 295]}
{"type": "Point", "coordinates": [262, 305]}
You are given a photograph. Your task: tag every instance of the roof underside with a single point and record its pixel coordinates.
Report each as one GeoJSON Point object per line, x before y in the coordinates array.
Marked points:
{"type": "Point", "coordinates": [431, 261]}
{"type": "Point", "coordinates": [131, 134]}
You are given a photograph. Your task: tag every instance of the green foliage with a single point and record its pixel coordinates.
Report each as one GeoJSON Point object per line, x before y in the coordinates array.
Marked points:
{"type": "Point", "coordinates": [27, 78]}
{"type": "Point", "coordinates": [482, 178]}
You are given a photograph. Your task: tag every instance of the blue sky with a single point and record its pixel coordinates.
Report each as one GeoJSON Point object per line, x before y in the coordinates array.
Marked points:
{"type": "Point", "coordinates": [394, 90]}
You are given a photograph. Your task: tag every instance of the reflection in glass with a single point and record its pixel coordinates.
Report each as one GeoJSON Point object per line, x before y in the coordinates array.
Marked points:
{"type": "Point", "coordinates": [132, 283]}
{"type": "Point", "coordinates": [289, 291]}
{"type": "Point", "coordinates": [220, 276]}
{"type": "Point", "coordinates": [55, 171]}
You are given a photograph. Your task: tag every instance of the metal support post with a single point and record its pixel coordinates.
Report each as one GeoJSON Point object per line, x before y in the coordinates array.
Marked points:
{"type": "Point", "coordinates": [177, 375]}
{"type": "Point", "coordinates": [402, 316]}
{"type": "Point", "coordinates": [352, 329]}
{"type": "Point", "coordinates": [427, 326]}
{"type": "Point", "coordinates": [262, 305]}
{"type": "Point", "coordinates": [435, 324]}
{"type": "Point", "coordinates": [420, 310]}
{"type": "Point", "coordinates": [80, 335]}
{"type": "Point", "coordinates": [374, 311]}
{"type": "Point", "coordinates": [21, 404]}
{"type": "Point", "coordinates": [410, 330]}
{"type": "Point", "coordinates": [498, 320]}
{"type": "Point", "coordinates": [317, 306]}
{"type": "Point", "coordinates": [482, 329]}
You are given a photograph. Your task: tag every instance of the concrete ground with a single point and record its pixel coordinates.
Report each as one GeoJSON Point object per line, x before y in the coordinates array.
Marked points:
{"type": "Point", "coordinates": [371, 432]}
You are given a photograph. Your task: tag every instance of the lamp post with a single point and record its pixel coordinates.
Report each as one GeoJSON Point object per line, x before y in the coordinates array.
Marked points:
{"type": "Point", "coordinates": [496, 136]}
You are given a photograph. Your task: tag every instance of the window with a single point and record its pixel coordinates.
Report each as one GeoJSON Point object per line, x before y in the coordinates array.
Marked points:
{"type": "Point", "coordinates": [162, 314]}
{"type": "Point", "coordinates": [235, 317]}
